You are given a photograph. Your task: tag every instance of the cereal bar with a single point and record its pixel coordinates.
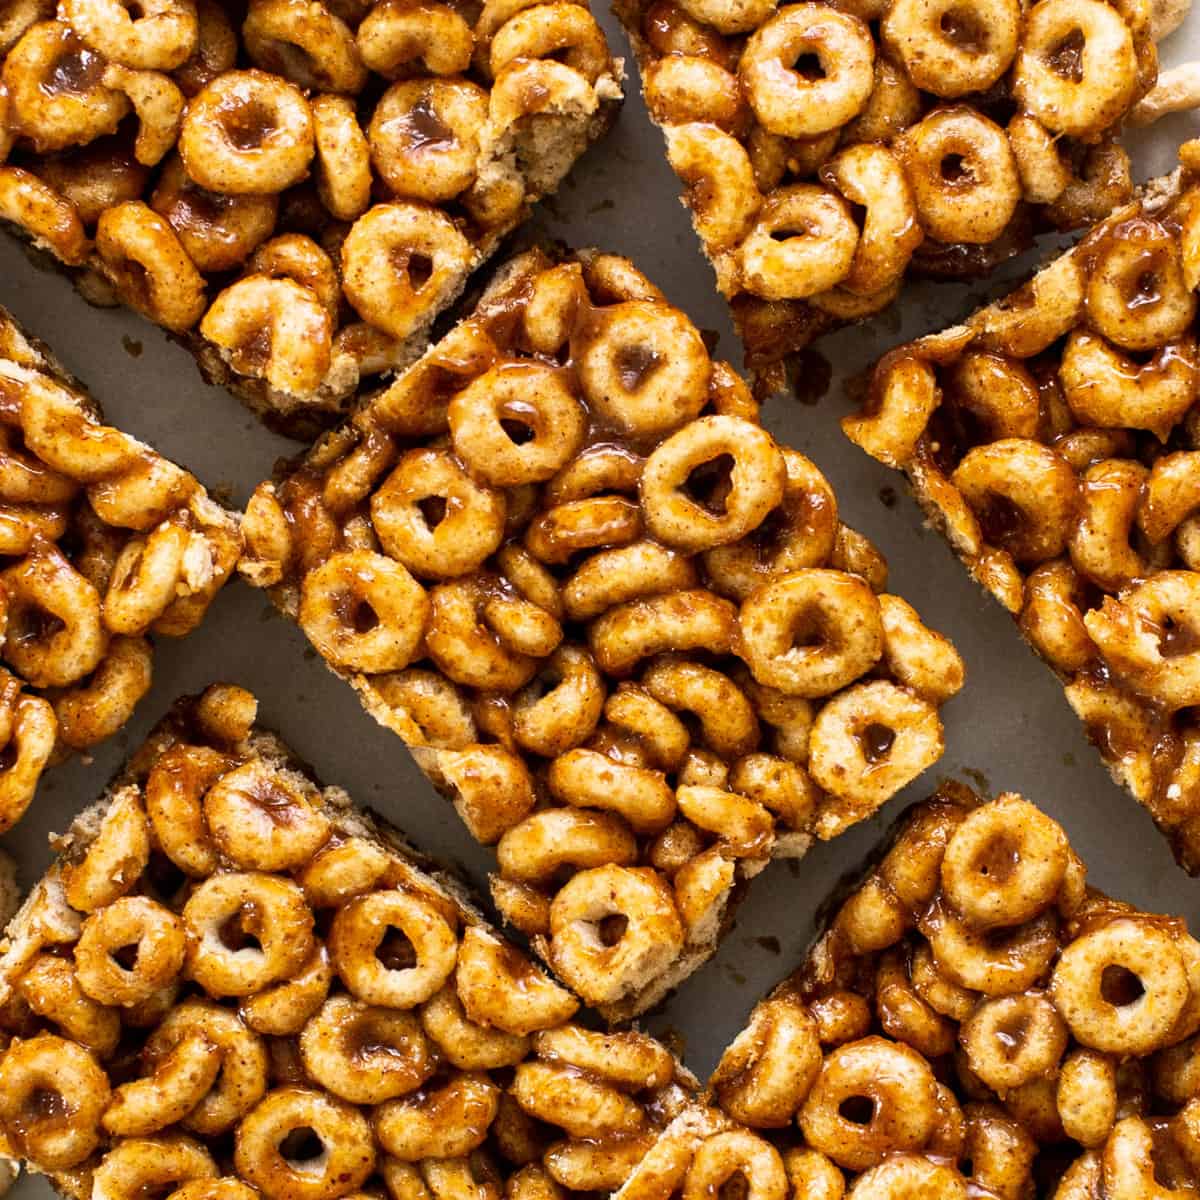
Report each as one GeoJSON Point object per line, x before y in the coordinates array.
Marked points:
{"type": "Point", "coordinates": [975, 1022]}
{"type": "Point", "coordinates": [1054, 437]}
{"type": "Point", "coordinates": [616, 622]}
{"type": "Point", "coordinates": [296, 187]}
{"type": "Point", "coordinates": [234, 984]}
{"type": "Point", "coordinates": [829, 149]}
{"type": "Point", "coordinates": [103, 543]}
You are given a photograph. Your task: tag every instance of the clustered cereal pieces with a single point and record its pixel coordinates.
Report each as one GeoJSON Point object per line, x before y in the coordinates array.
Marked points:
{"type": "Point", "coordinates": [233, 984]}
{"type": "Point", "coordinates": [829, 149]}
{"type": "Point", "coordinates": [298, 186]}
{"type": "Point", "coordinates": [622, 628]}
{"type": "Point", "coordinates": [103, 542]}
{"type": "Point", "coordinates": [975, 1022]}
{"type": "Point", "coordinates": [1055, 439]}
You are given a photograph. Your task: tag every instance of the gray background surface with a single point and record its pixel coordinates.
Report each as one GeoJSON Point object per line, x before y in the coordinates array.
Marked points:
{"type": "Point", "coordinates": [1010, 729]}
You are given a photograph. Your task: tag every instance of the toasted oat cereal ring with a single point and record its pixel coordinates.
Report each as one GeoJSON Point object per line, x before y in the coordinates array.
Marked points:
{"type": "Point", "coordinates": [434, 518]}
{"type": "Point", "coordinates": [297, 257]}
{"type": "Point", "coordinates": [225, 1188]}
{"type": "Point", "coordinates": [963, 175]}
{"type": "Point", "coordinates": [335, 1158]}
{"type": "Point", "coordinates": [1025, 496]}
{"type": "Point", "coordinates": [1004, 864]}
{"type": "Point", "coordinates": [246, 931]}
{"type": "Point", "coordinates": [363, 1054]}
{"type": "Point", "coordinates": [54, 634]}
{"type": "Point", "coordinates": [1100, 546]}
{"type": "Point", "coordinates": [624, 573]}
{"type": "Point", "coordinates": [584, 1106]}
{"type": "Point", "coordinates": [794, 104]}
{"type": "Point", "coordinates": [243, 1077]}
{"type": "Point", "coordinates": [158, 939]}
{"type": "Point", "coordinates": [909, 1177]}
{"type": "Point", "coordinates": [732, 1154]}
{"type": "Point", "coordinates": [767, 1071]}
{"type": "Point", "coordinates": [385, 970]}
{"type": "Point", "coordinates": [544, 842]}
{"type": "Point", "coordinates": [261, 822]}
{"type": "Point", "coordinates": [343, 157]}
{"type": "Point", "coordinates": [561, 708]}
{"type": "Point", "coordinates": [626, 1059]}
{"type": "Point", "coordinates": [611, 929]}
{"type": "Point", "coordinates": [866, 744]}
{"type": "Point", "coordinates": [1143, 1159]}
{"type": "Point", "coordinates": [718, 178]}
{"type": "Point", "coordinates": [1136, 294]}
{"type": "Point", "coordinates": [49, 986]}
{"type": "Point", "coordinates": [643, 368]}
{"type": "Point", "coordinates": [1086, 1096]}
{"type": "Point", "coordinates": [683, 89]}
{"type": "Point", "coordinates": [726, 16]}
{"type": "Point", "coordinates": [47, 217]}
{"type": "Point", "coordinates": [165, 1096]}
{"type": "Point", "coordinates": [803, 243]}
{"type": "Point", "coordinates": [778, 620]}
{"type": "Point", "coordinates": [399, 261]}
{"type": "Point", "coordinates": [536, 403]}
{"type": "Point", "coordinates": [296, 354]}
{"type": "Point", "coordinates": [1013, 1040]}
{"type": "Point", "coordinates": [589, 779]}
{"type": "Point", "coordinates": [447, 1119]}
{"type": "Point", "coordinates": [465, 1043]}
{"type": "Point", "coordinates": [424, 137]}
{"type": "Point", "coordinates": [739, 500]}
{"type": "Point", "coordinates": [304, 41]}
{"type": "Point", "coordinates": [727, 722]}
{"type": "Point", "coordinates": [174, 790]}
{"type": "Point", "coordinates": [116, 858]}
{"type": "Point", "coordinates": [136, 1166]}
{"type": "Point", "coordinates": [53, 1093]}
{"type": "Point", "coordinates": [1172, 495]}
{"type": "Point", "coordinates": [872, 1098]}
{"type": "Point", "coordinates": [951, 49]}
{"type": "Point", "coordinates": [18, 17]}
{"type": "Point", "coordinates": [394, 35]}
{"type": "Point", "coordinates": [284, 1010]}
{"type": "Point", "coordinates": [678, 620]}
{"type": "Point", "coordinates": [563, 31]}
{"type": "Point", "coordinates": [997, 392]}
{"type": "Point", "coordinates": [216, 48]}
{"type": "Point", "coordinates": [32, 741]}
{"type": "Point", "coordinates": [363, 611]}
{"type": "Point", "coordinates": [247, 133]}
{"type": "Point", "coordinates": [1121, 987]}
{"type": "Point", "coordinates": [56, 94]}
{"type": "Point", "coordinates": [1148, 636]}
{"type": "Point", "coordinates": [1000, 962]}
{"type": "Point", "coordinates": [161, 37]}
{"type": "Point", "coordinates": [1076, 70]}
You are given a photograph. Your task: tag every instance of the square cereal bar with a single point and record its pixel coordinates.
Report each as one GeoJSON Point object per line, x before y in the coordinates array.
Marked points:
{"type": "Point", "coordinates": [975, 1022]}
{"type": "Point", "coordinates": [829, 150]}
{"type": "Point", "coordinates": [295, 187]}
{"type": "Point", "coordinates": [616, 622]}
{"type": "Point", "coordinates": [103, 542]}
{"type": "Point", "coordinates": [232, 983]}
{"type": "Point", "coordinates": [1054, 437]}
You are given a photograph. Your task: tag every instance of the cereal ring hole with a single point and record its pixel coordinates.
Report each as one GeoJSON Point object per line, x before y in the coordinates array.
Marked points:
{"type": "Point", "coordinates": [710, 483]}
{"type": "Point", "coordinates": [858, 1110]}
{"type": "Point", "coordinates": [1120, 987]}
{"type": "Point", "coordinates": [1066, 57]}
{"type": "Point", "coordinates": [611, 929]}
{"type": "Point", "coordinates": [877, 741]}
{"type": "Point", "coordinates": [246, 122]}
{"type": "Point", "coordinates": [519, 432]}
{"type": "Point", "coordinates": [635, 363]}
{"type": "Point", "coordinates": [395, 951]}
{"type": "Point", "coordinates": [302, 1148]}
{"type": "Point", "coordinates": [964, 31]}
{"type": "Point", "coordinates": [1177, 638]}
{"type": "Point", "coordinates": [432, 510]}
{"type": "Point", "coordinates": [418, 267]}
{"type": "Point", "coordinates": [76, 69]}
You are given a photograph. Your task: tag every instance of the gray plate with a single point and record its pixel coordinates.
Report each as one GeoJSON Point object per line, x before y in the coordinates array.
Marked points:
{"type": "Point", "coordinates": [1010, 729]}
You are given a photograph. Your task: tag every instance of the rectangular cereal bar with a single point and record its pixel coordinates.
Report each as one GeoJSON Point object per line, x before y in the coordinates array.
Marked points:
{"type": "Point", "coordinates": [829, 150]}
{"type": "Point", "coordinates": [233, 983]}
{"type": "Point", "coordinates": [1054, 438]}
{"type": "Point", "coordinates": [103, 542]}
{"type": "Point", "coordinates": [975, 1021]}
{"type": "Point", "coordinates": [616, 622]}
{"type": "Point", "coordinates": [295, 187]}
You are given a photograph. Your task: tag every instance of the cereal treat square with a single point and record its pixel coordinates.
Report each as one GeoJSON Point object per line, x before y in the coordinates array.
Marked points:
{"type": "Point", "coordinates": [617, 623]}
{"type": "Point", "coordinates": [830, 149]}
{"type": "Point", "coordinates": [1054, 437]}
{"type": "Point", "coordinates": [296, 187]}
{"type": "Point", "coordinates": [975, 1022]}
{"type": "Point", "coordinates": [103, 542]}
{"type": "Point", "coordinates": [233, 984]}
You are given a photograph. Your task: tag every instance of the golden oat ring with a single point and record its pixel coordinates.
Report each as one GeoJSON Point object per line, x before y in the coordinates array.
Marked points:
{"type": "Point", "coordinates": [449, 1118]}
{"type": "Point", "coordinates": [1172, 494]}
{"type": "Point", "coordinates": [138, 1165]}
{"type": "Point", "coordinates": [1101, 546]}
{"type": "Point", "coordinates": [1138, 948]}
{"type": "Point", "coordinates": [364, 611]}
{"type": "Point", "coordinates": [161, 38]}
{"type": "Point", "coordinates": [343, 157]}
{"type": "Point", "coordinates": [470, 525]}
{"type": "Point", "coordinates": [755, 484]}
{"type": "Point", "coordinates": [907, 1177]}
{"type": "Point", "coordinates": [998, 963]}
{"type": "Point", "coordinates": [536, 397]}
{"type": "Point", "coordinates": [952, 49]}
{"type": "Point", "coordinates": [726, 1155]}
{"type": "Point", "coordinates": [895, 1088]}
{"type": "Point", "coordinates": [1004, 864]}
{"type": "Point", "coordinates": [963, 174]}
{"type": "Point", "coordinates": [563, 31]}
{"type": "Point", "coordinates": [730, 16]}
{"type": "Point", "coordinates": [1102, 85]}
{"type": "Point", "coordinates": [173, 792]}
{"type": "Point", "coordinates": [247, 133]}
{"type": "Point", "coordinates": [679, 620]}
{"type": "Point", "coordinates": [719, 179]}
{"type": "Point", "coordinates": [305, 42]}
{"type": "Point", "coordinates": [396, 34]}
{"type": "Point", "coordinates": [1005, 1060]}
{"type": "Point", "coordinates": [839, 607]}
{"type": "Point", "coordinates": [681, 89]}
{"type": "Point", "coordinates": [790, 104]}
{"type": "Point", "coordinates": [562, 714]}
{"type": "Point", "coordinates": [132, 920]}
{"type": "Point", "coordinates": [644, 368]}
{"type": "Point", "coordinates": [47, 217]}
{"type": "Point", "coordinates": [359, 929]}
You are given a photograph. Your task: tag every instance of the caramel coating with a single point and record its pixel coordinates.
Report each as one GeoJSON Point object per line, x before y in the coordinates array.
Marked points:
{"type": "Point", "coordinates": [1052, 438]}
{"type": "Point", "coordinates": [314, 1016]}
{"type": "Point", "coordinates": [607, 610]}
